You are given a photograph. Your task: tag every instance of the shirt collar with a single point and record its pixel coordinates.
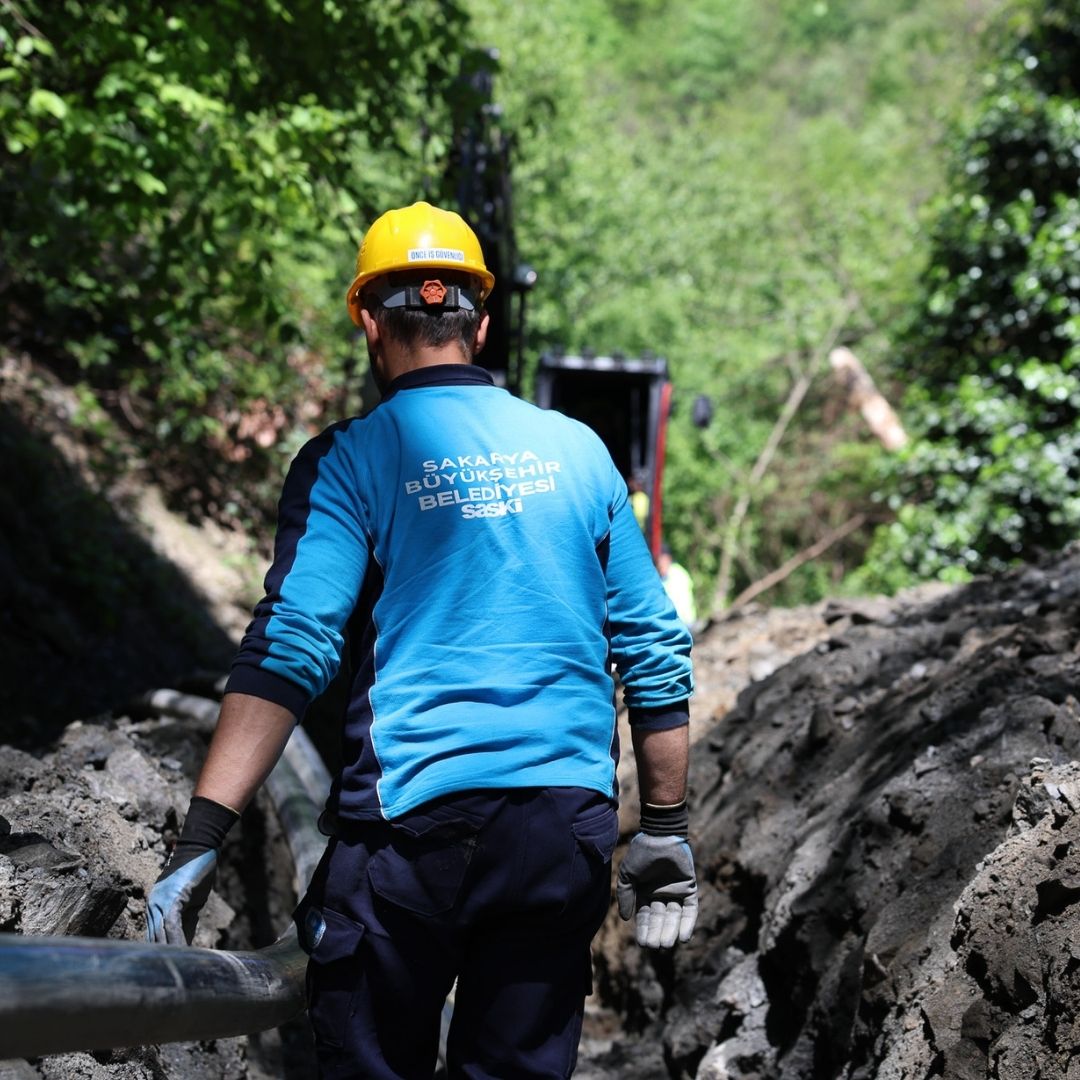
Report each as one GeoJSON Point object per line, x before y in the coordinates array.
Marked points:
{"type": "Point", "coordinates": [440, 375]}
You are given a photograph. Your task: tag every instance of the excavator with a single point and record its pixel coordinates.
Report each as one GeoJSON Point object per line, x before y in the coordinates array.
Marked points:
{"type": "Point", "coordinates": [625, 400]}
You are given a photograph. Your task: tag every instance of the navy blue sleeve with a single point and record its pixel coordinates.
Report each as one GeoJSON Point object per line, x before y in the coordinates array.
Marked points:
{"type": "Point", "coordinates": [292, 649]}
{"type": "Point", "coordinates": [650, 644]}
{"type": "Point", "coordinates": [661, 719]}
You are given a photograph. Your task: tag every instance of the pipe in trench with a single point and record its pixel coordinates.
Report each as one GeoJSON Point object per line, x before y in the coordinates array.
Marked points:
{"type": "Point", "coordinates": [61, 994]}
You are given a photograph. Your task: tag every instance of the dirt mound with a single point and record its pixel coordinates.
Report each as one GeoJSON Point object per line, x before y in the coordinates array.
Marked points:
{"type": "Point", "coordinates": [886, 833]}
{"type": "Point", "coordinates": [884, 808]}
{"type": "Point", "coordinates": [885, 823]}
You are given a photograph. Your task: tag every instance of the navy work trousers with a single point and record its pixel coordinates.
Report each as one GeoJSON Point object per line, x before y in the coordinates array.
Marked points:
{"type": "Point", "coordinates": [502, 890]}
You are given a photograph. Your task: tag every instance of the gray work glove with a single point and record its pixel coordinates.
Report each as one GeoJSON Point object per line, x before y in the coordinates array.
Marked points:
{"type": "Point", "coordinates": [656, 881]}
{"type": "Point", "coordinates": [181, 890]}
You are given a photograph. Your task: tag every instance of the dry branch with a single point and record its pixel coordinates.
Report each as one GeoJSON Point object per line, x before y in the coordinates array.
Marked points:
{"type": "Point", "coordinates": [768, 452]}
{"type": "Point", "coordinates": [22, 20]}
{"type": "Point", "coordinates": [800, 559]}
{"type": "Point", "coordinates": [863, 394]}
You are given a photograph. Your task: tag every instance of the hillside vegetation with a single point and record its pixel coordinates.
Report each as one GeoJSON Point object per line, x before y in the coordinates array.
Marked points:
{"type": "Point", "coordinates": [738, 186]}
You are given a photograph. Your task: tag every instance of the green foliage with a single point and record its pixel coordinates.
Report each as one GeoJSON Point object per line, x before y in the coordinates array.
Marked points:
{"type": "Point", "coordinates": [994, 474]}
{"type": "Point", "coordinates": [729, 185]}
{"type": "Point", "coordinates": [185, 185]}
{"type": "Point", "coordinates": [734, 185]}
{"type": "Point", "coordinates": [695, 53]}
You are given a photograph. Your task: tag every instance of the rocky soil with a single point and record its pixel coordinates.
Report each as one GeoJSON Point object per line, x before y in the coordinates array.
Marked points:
{"type": "Point", "coordinates": [885, 800]}
{"type": "Point", "coordinates": [84, 830]}
{"type": "Point", "coordinates": [888, 840]}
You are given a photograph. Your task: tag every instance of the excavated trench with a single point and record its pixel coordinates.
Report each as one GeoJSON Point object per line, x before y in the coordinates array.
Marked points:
{"type": "Point", "coordinates": [885, 799]}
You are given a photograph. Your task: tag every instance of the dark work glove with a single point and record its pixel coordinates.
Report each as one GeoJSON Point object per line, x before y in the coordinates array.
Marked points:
{"type": "Point", "coordinates": [178, 895]}
{"type": "Point", "coordinates": [656, 880]}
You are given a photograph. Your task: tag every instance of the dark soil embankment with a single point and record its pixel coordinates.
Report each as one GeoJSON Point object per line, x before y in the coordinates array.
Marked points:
{"type": "Point", "coordinates": [84, 829]}
{"type": "Point", "coordinates": [886, 829]}
{"type": "Point", "coordinates": [889, 848]}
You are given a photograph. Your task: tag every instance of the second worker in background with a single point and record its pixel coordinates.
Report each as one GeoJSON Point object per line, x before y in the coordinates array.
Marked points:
{"type": "Point", "coordinates": [482, 560]}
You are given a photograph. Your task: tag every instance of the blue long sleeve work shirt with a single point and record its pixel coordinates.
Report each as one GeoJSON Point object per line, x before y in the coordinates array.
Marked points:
{"type": "Point", "coordinates": [484, 557]}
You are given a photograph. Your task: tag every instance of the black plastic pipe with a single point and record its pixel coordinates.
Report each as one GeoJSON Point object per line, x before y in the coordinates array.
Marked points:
{"type": "Point", "coordinates": [60, 994]}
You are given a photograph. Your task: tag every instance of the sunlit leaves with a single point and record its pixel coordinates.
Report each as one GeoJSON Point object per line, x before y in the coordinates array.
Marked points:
{"type": "Point", "coordinates": [996, 474]}
{"type": "Point", "coordinates": [721, 183]}
{"type": "Point", "coordinates": [184, 189]}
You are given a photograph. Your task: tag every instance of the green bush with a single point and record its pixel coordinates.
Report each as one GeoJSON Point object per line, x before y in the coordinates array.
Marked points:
{"type": "Point", "coordinates": [993, 474]}
{"type": "Point", "coordinates": [184, 192]}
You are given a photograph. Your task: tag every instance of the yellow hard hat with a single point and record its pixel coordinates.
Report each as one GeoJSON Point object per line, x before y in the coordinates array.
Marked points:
{"type": "Point", "coordinates": [417, 237]}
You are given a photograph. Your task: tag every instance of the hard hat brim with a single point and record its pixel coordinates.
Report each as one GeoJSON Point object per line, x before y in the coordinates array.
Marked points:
{"type": "Point", "coordinates": [352, 297]}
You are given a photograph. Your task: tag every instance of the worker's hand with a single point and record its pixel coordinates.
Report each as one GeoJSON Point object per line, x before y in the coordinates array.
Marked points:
{"type": "Point", "coordinates": [656, 882]}
{"type": "Point", "coordinates": [178, 895]}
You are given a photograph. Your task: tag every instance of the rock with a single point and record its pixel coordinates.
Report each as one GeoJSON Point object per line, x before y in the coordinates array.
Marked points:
{"type": "Point", "coordinates": [67, 905]}
{"type": "Point", "coordinates": [9, 901]}
{"type": "Point", "coordinates": [18, 1070]}
{"type": "Point", "coordinates": [33, 853]}
{"type": "Point", "coordinates": [85, 833]}
{"type": "Point", "coordinates": [19, 771]}
{"type": "Point", "coordinates": [1014, 940]}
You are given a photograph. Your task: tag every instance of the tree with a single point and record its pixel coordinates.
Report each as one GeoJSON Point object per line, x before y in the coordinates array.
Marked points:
{"type": "Point", "coordinates": [994, 350]}
{"type": "Point", "coordinates": [730, 185]}
{"type": "Point", "coordinates": [185, 186]}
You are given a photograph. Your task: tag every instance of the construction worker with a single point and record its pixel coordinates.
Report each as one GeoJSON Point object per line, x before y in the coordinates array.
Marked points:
{"type": "Point", "coordinates": [639, 498]}
{"type": "Point", "coordinates": [483, 558]}
{"type": "Point", "coordinates": [678, 585]}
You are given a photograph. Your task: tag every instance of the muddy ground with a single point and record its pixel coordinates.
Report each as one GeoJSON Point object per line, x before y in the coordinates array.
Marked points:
{"type": "Point", "coordinates": [885, 801]}
{"type": "Point", "coordinates": [888, 841]}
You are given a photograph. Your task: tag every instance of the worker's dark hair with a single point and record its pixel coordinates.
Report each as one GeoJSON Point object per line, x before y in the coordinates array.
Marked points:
{"type": "Point", "coordinates": [427, 327]}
